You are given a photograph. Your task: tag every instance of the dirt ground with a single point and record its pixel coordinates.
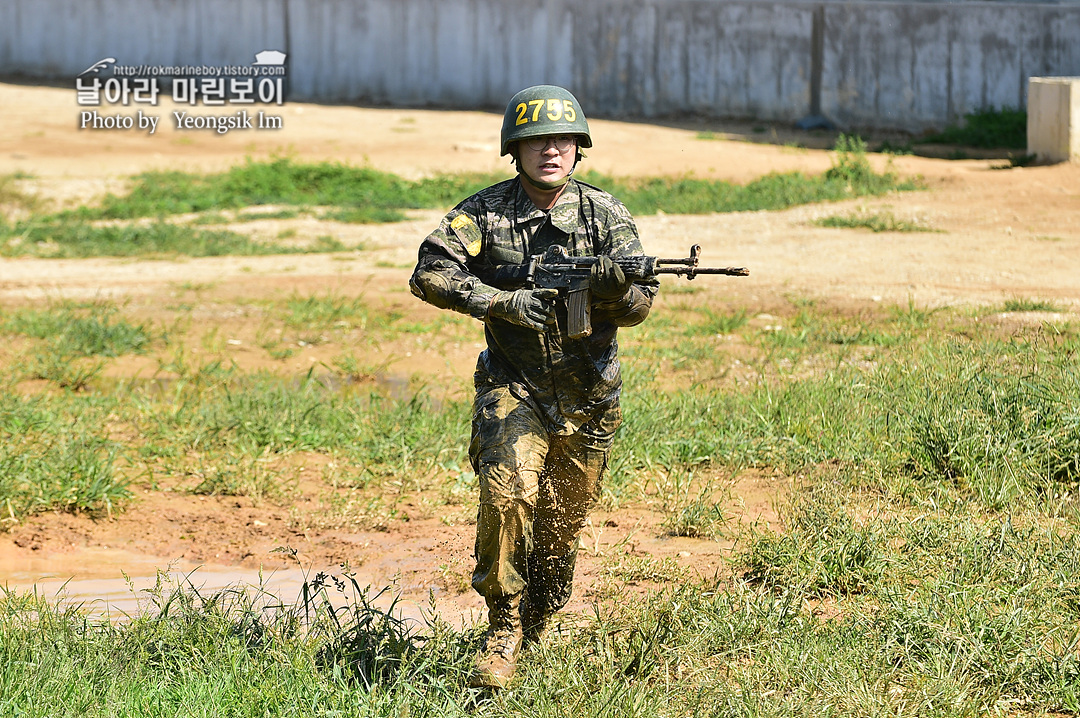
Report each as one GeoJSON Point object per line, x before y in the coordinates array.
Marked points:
{"type": "Point", "coordinates": [1004, 233]}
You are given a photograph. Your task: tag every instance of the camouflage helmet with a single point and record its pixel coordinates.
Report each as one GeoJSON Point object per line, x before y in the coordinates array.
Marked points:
{"type": "Point", "coordinates": [543, 110]}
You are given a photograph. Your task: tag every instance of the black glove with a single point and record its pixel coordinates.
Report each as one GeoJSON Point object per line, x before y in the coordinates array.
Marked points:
{"type": "Point", "coordinates": [637, 266]}
{"type": "Point", "coordinates": [607, 281]}
{"type": "Point", "coordinates": [532, 308]}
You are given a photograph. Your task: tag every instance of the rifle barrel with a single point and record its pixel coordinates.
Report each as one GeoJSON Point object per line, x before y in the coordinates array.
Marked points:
{"type": "Point", "coordinates": [692, 271]}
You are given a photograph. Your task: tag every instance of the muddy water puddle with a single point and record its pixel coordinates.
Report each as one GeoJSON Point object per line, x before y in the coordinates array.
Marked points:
{"type": "Point", "coordinates": [116, 585]}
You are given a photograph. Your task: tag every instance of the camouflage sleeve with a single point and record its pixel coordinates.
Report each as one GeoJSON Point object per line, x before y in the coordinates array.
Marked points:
{"type": "Point", "coordinates": [442, 276]}
{"type": "Point", "coordinates": [620, 239]}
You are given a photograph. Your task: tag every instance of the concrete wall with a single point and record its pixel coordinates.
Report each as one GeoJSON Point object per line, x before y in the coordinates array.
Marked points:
{"type": "Point", "coordinates": [919, 65]}
{"type": "Point", "coordinates": [1053, 127]}
{"type": "Point", "coordinates": [903, 65]}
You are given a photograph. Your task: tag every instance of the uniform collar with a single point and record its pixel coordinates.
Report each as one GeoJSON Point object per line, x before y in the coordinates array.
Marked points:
{"type": "Point", "coordinates": [564, 215]}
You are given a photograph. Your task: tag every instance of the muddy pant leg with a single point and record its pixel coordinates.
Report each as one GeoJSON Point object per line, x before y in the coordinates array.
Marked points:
{"type": "Point", "coordinates": [569, 487]}
{"type": "Point", "coordinates": [508, 448]}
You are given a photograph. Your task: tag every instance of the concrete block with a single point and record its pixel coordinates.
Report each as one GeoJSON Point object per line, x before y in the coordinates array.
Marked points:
{"type": "Point", "coordinates": [1053, 125]}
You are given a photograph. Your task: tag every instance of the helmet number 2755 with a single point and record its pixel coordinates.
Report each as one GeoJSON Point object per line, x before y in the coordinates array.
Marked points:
{"type": "Point", "coordinates": [556, 110]}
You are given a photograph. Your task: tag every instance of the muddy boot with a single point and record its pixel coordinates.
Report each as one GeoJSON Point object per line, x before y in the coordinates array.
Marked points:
{"type": "Point", "coordinates": [498, 657]}
{"type": "Point", "coordinates": [535, 622]}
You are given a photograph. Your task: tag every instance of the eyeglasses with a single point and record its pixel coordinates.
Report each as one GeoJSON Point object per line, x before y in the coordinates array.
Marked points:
{"type": "Point", "coordinates": [563, 143]}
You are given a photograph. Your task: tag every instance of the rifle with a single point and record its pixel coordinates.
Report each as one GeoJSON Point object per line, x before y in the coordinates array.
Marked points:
{"type": "Point", "coordinates": [556, 269]}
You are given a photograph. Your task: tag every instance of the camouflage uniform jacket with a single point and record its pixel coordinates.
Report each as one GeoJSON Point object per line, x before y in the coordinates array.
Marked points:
{"type": "Point", "coordinates": [571, 380]}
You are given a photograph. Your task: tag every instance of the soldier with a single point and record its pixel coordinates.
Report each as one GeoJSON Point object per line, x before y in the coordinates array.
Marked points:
{"type": "Point", "coordinates": [546, 406]}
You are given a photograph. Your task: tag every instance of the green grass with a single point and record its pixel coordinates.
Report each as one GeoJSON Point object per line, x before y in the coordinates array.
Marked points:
{"type": "Point", "coordinates": [12, 197]}
{"type": "Point", "coordinates": [70, 238]}
{"type": "Point", "coordinates": [361, 194]}
{"type": "Point", "coordinates": [55, 456]}
{"type": "Point", "coordinates": [718, 323]}
{"type": "Point", "coordinates": [230, 475]}
{"type": "Point", "coordinates": [699, 518]}
{"type": "Point", "coordinates": [987, 129]}
{"type": "Point", "coordinates": [875, 222]}
{"type": "Point", "coordinates": [263, 415]}
{"type": "Point", "coordinates": [73, 329]}
{"type": "Point", "coordinates": [850, 176]}
{"type": "Point", "coordinates": [823, 552]}
{"type": "Point", "coordinates": [987, 419]}
{"type": "Point", "coordinates": [925, 561]}
{"type": "Point", "coordinates": [706, 648]}
{"type": "Point", "coordinates": [73, 340]}
{"type": "Point", "coordinates": [365, 195]}
{"type": "Point", "coordinates": [1024, 304]}
{"type": "Point", "coordinates": [285, 182]}
{"type": "Point", "coordinates": [991, 421]}
{"type": "Point", "coordinates": [323, 312]}
{"type": "Point", "coordinates": [889, 148]}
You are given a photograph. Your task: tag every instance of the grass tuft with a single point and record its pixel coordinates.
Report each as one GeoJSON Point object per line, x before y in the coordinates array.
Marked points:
{"type": "Point", "coordinates": [824, 552]}
{"type": "Point", "coordinates": [285, 182]}
{"type": "Point", "coordinates": [850, 176]}
{"type": "Point", "coordinates": [13, 199]}
{"type": "Point", "coordinates": [71, 238]}
{"type": "Point", "coordinates": [55, 457]}
{"type": "Point", "coordinates": [1024, 304]}
{"type": "Point", "coordinates": [80, 330]}
{"type": "Point", "coordinates": [875, 222]}
{"type": "Point", "coordinates": [987, 129]}
{"type": "Point", "coordinates": [365, 195]}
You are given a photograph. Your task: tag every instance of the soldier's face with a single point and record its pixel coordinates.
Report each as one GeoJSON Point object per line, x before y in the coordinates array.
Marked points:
{"type": "Point", "coordinates": [549, 163]}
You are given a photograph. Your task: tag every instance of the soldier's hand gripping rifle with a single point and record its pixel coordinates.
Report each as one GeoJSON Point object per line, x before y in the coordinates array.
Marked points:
{"type": "Point", "coordinates": [555, 269]}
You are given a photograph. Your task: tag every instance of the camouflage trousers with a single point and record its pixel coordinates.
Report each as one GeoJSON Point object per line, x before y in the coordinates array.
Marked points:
{"type": "Point", "coordinates": [536, 490]}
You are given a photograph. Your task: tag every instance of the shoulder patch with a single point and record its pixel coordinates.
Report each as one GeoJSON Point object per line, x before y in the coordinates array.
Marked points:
{"type": "Point", "coordinates": [469, 234]}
